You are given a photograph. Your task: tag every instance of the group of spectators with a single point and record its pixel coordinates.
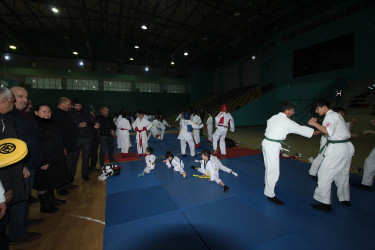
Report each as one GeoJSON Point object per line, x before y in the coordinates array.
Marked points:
{"type": "Point", "coordinates": [54, 140]}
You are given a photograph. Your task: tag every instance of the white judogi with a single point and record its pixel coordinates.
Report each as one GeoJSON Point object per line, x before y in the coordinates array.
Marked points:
{"type": "Point", "coordinates": [278, 127]}
{"type": "Point", "coordinates": [154, 131]}
{"type": "Point", "coordinates": [141, 126]}
{"type": "Point", "coordinates": [123, 127]}
{"type": "Point", "coordinates": [186, 137]}
{"type": "Point", "coordinates": [210, 126]}
{"type": "Point", "coordinates": [179, 118]}
{"type": "Point", "coordinates": [223, 121]}
{"type": "Point", "coordinates": [115, 121]}
{"type": "Point", "coordinates": [337, 159]}
{"type": "Point", "coordinates": [211, 169]}
{"type": "Point", "coordinates": [177, 164]}
{"type": "Point", "coordinates": [197, 121]}
{"type": "Point", "coordinates": [163, 125]}
{"type": "Point", "coordinates": [369, 169]}
{"type": "Point", "coordinates": [150, 163]}
{"type": "Point", "coordinates": [215, 160]}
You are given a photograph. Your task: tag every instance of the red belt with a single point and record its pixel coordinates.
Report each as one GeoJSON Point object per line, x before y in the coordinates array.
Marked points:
{"type": "Point", "coordinates": [140, 136]}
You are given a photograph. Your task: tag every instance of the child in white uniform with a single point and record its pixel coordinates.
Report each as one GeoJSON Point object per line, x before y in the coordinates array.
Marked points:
{"type": "Point", "coordinates": [123, 127]}
{"type": "Point", "coordinates": [223, 120]}
{"type": "Point", "coordinates": [217, 162]}
{"type": "Point", "coordinates": [150, 161]}
{"type": "Point", "coordinates": [210, 126]}
{"type": "Point", "coordinates": [141, 125]}
{"type": "Point", "coordinates": [210, 168]}
{"type": "Point", "coordinates": [278, 127]}
{"type": "Point", "coordinates": [163, 125]}
{"type": "Point", "coordinates": [196, 131]}
{"type": "Point", "coordinates": [175, 162]}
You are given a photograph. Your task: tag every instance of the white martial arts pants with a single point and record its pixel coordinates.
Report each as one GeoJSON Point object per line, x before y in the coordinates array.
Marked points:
{"type": "Point", "coordinates": [162, 134]}
{"type": "Point", "coordinates": [333, 168]}
{"type": "Point", "coordinates": [179, 169]}
{"type": "Point", "coordinates": [148, 169]}
{"type": "Point", "coordinates": [124, 138]}
{"type": "Point", "coordinates": [369, 169]}
{"type": "Point", "coordinates": [223, 168]}
{"type": "Point", "coordinates": [183, 142]}
{"type": "Point", "coordinates": [316, 164]}
{"type": "Point", "coordinates": [197, 137]}
{"type": "Point", "coordinates": [209, 133]}
{"type": "Point", "coordinates": [271, 156]}
{"type": "Point", "coordinates": [144, 142]}
{"type": "Point", "coordinates": [220, 133]}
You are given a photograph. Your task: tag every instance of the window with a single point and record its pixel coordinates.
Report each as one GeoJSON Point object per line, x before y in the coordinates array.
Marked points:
{"type": "Point", "coordinates": [43, 82]}
{"type": "Point", "coordinates": [117, 86]}
{"type": "Point", "coordinates": [80, 84]}
{"type": "Point", "coordinates": [175, 88]}
{"type": "Point", "coordinates": [148, 87]}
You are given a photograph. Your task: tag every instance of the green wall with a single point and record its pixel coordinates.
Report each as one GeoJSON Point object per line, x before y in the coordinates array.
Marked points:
{"type": "Point", "coordinates": [201, 84]}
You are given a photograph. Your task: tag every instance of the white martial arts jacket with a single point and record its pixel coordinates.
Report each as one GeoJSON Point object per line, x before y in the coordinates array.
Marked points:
{"type": "Point", "coordinates": [224, 120]}
{"type": "Point", "coordinates": [150, 161]}
{"type": "Point", "coordinates": [184, 134]}
{"type": "Point", "coordinates": [197, 120]}
{"type": "Point", "coordinates": [141, 126]}
{"type": "Point", "coordinates": [176, 163]}
{"type": "Point", "coordinates": [123, 124]}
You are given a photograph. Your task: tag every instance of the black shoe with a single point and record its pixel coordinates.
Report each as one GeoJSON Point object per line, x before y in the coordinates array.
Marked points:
{"type": "Point", "coordinates": [28, 236]}
{"type": "Point", "coordinates": [193, 167]}
{"type": "Point", "coordinates": [276, 200]}
{"type": "Point", "coordinates": [33, 222]}
{"type": "Point", "coordinates": [346, 203]}
{"type": "Point", "coordinates": [71, 186]}
{"type": "Point", "coordinates": [46, 206]}
{"type": "Point", "coordinates": [33, 199]}
{"type": "Point", "coordinates": [63, 192]}
{"type": "Point", "coordinates": [226, 188]}
{"type": "Point", "coordinates": [361, 186]}
{"type": "Point", "coordinates": [85, 177]}
{"type": "Point", "coordinates": [314, 177]}
{"type": "Point", "coordinates": [52, 198]}
{"type": "Point", "coordinates": [322, 206]}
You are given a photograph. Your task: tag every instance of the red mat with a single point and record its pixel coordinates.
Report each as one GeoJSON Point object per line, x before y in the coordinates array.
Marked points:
{"type": "Point", "coordinates": [118, 157]}
{"type": "Point", "coordinates": [237, 152]}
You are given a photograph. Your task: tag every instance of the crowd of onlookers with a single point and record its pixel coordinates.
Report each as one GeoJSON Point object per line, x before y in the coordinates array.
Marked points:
{"type": "Point", "coordinates": [55, 136]}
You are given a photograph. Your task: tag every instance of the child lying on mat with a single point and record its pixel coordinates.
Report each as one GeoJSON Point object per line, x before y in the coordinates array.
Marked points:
{"type": "Point", "coordinates": [150, 161]}
{"type": "Point", "coordinates": [210, 168]}
{"type": "Point", "coordinates": [175, 162]}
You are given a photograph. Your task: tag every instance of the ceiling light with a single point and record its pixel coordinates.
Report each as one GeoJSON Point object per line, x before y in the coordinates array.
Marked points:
{"type": "Point", "coordinates": [146, 68]}
{"type": "Point", "coordinates": [205, 38]}
{"type": "Point", "coordinates": [136, 46]}
{"type": "Point", "coordinates": [172, 63]}
{"type": "Point", "coordinates": [253, 57]}
{"type": "Point", "coordinates": [131, 59]}
{"type": "Point", "coordinates": [75, 53]}
{"type": "Point", "coordinates": [236, 14]}
{"type": "Point", "coordinates": [12, 46]}
{"type": "Point", "coordinates": [7, 58]}
{"type": "Point", "coordinates": [186, 53]}
{"type": "Point", "coordinates": [55, 10]}
{"type": "Point", "coordinates": [81, 63]}
{"type": "Point", "coordinates": [144, 27]}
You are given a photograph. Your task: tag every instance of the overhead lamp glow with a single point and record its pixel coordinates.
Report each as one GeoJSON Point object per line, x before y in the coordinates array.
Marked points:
{"type": "Point", "coordinates": [7, 58]}
{"type": "Point", "coordinates": [146, 68]}
{"type": "Point", "coordinates": [172, 63]}
{"type": "Point", "coordinates": [81, 63]}
{"type": "Point", "coordinates": [55, 10]}
{"type": "Point", "coordinates": [136, 46]}
{"type": "Point", "coordinates": [12, 46]}
{"type": "Point", "coordinates": [144, 27]}
{"type": "Point", "coordinates": [186, 53]}
{"type": "Point", "coordinates": [75, 53]}
{"type": "Point", "coordinates": [253, 57]}
{"type": "Point", "coordinates": [131, 59]}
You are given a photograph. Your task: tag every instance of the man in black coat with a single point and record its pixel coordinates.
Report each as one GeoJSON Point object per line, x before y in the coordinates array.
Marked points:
{"type": "Point", "coordinates": [61, 116]}
{"type": "Point", "coordinates": [84, 124]}
{"type": "Point", "coordinates": [106, 131]}
{"type": "Point", "coordinates": [12, 178]}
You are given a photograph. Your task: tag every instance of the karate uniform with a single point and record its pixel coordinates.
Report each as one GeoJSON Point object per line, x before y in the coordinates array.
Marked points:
{"type": "Point", "coordinates": [177, 164]}
{"type": "Point", "coordinates": [223, 121]}
{"type": "Point", "coordinates": [179, 118]}
{"type": "Point", "coordinates": [123, 127]}
{"type": "Point", "coordinates": [115, 121]}
{"type": "Point", "coordinates": [141, 126]}
{"type": "Point", "coordinates": [337, 159]}
{"type": "Point", "coordinates": [186, 137]}
{"type": "Point", "coordinates": [163, 126]}
{"type": "Point", "coordinates": [154, 131]}
{"type": "Point", "coordinates": [150, 163]}
{"type": "Point", "coordinates": [211, 169]}
{"type": "Point", "coordinates": [278, 127]}
{"type": "Point", "coordinates": [369, 169]}
{"type": "Point", "coordinates": [209, 128]}
{"type": "Point", "coordinates": [197, 121]}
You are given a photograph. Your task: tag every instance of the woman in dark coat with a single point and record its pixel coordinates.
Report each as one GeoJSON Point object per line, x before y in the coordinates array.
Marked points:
{"type": "Point", "coordinates": [54, 171]}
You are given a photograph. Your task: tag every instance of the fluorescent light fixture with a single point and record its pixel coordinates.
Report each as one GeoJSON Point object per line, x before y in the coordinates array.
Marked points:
{"type": "Point", "coordinates": [136, 46]}
{"type": "Point", "coordinates": [81, 63]}
{"type": "Point", "coordinates": [131, 59]}
{"type": "Point", "coordinates": [75, 53]}
{"type": "Point", "coordinates": [253, 57]}
{"type": "Point", "coordinates": [146, 68]}
{"type": "Point", "coordinates": [7, 58]}
{"type": "Point", "coordinates": [186, 53]}
{"type": "Point", "coordinates": [172, 63]}
{"type": "Point", "coordinates": [12, 46]}
{"type": "Point", "coordinates": [144, 27]}
{"type": "Point", "coordinates": [55, 10]}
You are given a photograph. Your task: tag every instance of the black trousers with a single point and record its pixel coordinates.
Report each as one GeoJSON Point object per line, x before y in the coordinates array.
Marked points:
{"type": "Point", "coordinates": [85, 145]}
{"type": "Point", "coordinates": [106, 143]}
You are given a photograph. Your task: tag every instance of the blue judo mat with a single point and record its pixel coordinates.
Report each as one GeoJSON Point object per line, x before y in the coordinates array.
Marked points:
{"type": "Point", "coordinates": [163, 210]}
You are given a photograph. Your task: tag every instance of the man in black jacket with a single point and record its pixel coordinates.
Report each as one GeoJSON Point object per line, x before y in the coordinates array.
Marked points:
{"type": "Point", "coordinates": [12, 179]}
{"type": "Point", "coordinates": [107, 131]}
{"type": "Point", "coordinates": [83, 123]}
{"type": "Point", "coordinates": [61, 116]}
